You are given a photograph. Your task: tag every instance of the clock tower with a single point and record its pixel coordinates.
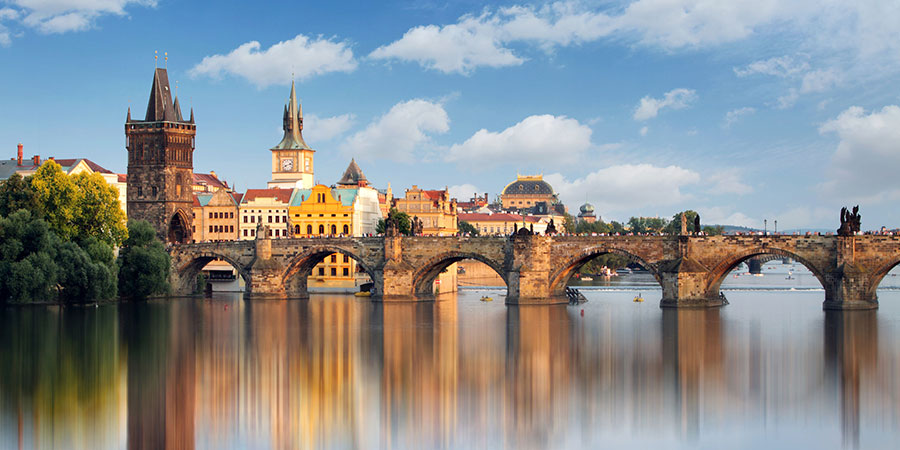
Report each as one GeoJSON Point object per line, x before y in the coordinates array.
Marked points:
{"type": "Point", "coordinates": [292, 159]}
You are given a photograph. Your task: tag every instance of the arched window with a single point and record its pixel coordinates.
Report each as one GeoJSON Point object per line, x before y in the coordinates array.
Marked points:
{"type": "Point", "coordinates": [297, 229]}
{"type": "Point", "coordinates": [334, 229]}
{"type": "Point", "coordinates": [308, 229]}
{"type": "Point", "coordinates": [321, 229]}
{"type": "Point", "coordinates": [346, 230]}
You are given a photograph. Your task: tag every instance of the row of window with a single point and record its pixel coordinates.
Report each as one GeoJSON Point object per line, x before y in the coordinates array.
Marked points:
{"type": "Point", "coordinates": [221, 215]}
{"type": "Point", "coordinates": [321, 215]}
{"type": "Point", "coordinates": [221, 228]}
{"type": "Point", "coordinates": [333, 229]}
{"type": "Point", "coordinates": [276, 233]}
{"type": "Point", "coordinates": [278, 219]}
{"type": "Point", "coordinates": [345, 272]}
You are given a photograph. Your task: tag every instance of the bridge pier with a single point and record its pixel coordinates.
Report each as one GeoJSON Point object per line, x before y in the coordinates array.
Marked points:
{"type": "Point", "coordinates": [847, 288]}
{"type": "Point", "coordinates": [685, 284]}
{"type": "Point", "coordinates": [529, 281]}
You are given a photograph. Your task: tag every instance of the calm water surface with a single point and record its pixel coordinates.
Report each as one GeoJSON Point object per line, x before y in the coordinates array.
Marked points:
{"type": "Point", "coordinates": [770, 369]}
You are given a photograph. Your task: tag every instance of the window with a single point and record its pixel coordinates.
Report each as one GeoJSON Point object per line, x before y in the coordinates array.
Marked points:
{"type": "Point", "coordinates": [321, 271]}
{"type": "Point", "coordinates": [252, 219]}
{"type": "Point", "coordinates": [270, 219]}
{"type": "Point", "coordinates": [296, 229]}
{"type": "Point", "coordinates": [276, 233]}
{"type": "Point", "coordinates": [210, 228]}
{"type": "Point", "coordinates": [334, 271]}
{"type": "Point", "coordinates": [346, 272]}
{"type": "Point", "coordinates": [245, 233]}
{"type": "Point", "coordinates": [210, 215]}
{"type": "Point", "coordinates": [346, 230]}
{"type": "Point", "coordinates": [252, 232]}
{"type": "Point", "coordinates": [321, 229]}
{"type": "Point", "coordinates": [334, 229]}
{"type": "Point", "coordinates": [277, 219]}
{"type": "Point", "coordinates": [154, 191]}
{"type": "Point", "coordinates": [245, 219]}
{"type": "Point", "coordinates": [308, 229]}
{"type": "Point", "coordinates": [231, 228]}
{"type": "Point", "coordinates": [346, 258]}
{"type": "Point", "coordinates": [231, 215]}
{"type": "Point", "coordinates": [284, 219]}
{"type": "Point", "coordinates": [333, 258]}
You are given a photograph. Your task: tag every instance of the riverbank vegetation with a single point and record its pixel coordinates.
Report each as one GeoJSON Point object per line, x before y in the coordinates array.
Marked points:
{"type": "Point", "coordinates": [57, 238]}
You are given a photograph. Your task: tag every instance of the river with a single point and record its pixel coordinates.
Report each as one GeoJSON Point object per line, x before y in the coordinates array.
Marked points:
{"type": "Point", "coordinates": [771, 369]}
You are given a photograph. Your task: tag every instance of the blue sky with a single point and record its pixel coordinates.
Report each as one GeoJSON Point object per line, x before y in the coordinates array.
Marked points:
{"type": "Point", "coordinates": [743, 110]}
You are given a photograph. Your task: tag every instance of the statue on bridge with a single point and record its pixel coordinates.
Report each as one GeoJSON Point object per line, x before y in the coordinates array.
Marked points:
{"type": "Point", "coordinates": [850, 222]}
{"type": "Point", "coordinates": [697, 228]}
{"type": "Point", "coordinates": [417, 227]}
{"type": "Point", "coordinates": [551, 228]}
{"type": "Point", "coordinates": [391, 226]}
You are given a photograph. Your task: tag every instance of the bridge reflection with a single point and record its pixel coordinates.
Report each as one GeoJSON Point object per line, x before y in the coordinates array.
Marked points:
{"type": "Point", "coordinates": [336, 372]}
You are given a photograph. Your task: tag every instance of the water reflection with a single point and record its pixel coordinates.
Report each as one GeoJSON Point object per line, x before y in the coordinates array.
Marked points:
{"type": "Point", "coordinates": [337, 372]}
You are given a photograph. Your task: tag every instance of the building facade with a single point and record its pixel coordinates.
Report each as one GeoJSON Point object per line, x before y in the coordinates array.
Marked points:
{"type": "Point", "coordinates": [160, 164]}
{"type": "Point", "coordinates": [434, 208]}
{"type": "Point", "coordinates": [292, 159]}
{"type": "Point", "coordinates": [526, 192]}
{"type": "Point", "coordinates": [266, 206]}
{"type": "Point", "coordinates": [215, 216]}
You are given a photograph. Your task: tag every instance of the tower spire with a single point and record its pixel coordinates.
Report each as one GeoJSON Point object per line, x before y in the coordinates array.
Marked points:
{"type": "Point", "coordinates": [292, 124]}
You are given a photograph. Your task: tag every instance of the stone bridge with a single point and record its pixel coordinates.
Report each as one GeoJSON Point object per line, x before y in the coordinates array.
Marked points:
{"type": "Point", "coordinates": [690, 269]}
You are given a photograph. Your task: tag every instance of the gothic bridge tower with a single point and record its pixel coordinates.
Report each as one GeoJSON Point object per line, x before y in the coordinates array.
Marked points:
{"type": "Point", "coordinates": [161, 164]}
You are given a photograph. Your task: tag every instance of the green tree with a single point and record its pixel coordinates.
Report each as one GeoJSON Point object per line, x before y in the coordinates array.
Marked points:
{"type": "Point", "coordinates": [647, 224]}
{"type": "Point", "coordinates": [714, 230]}
{"type": "Point", "coordinates": [15, 194]}
{"type": "Point", "coordinates": [143, 263]}
{"type": "Point", "coordinates": [82, 278]}
{"type": "Point", "coordinates": [58, 196]}
{"type": "Point", "coordinates": [98, 214]}
{"type": "Point", "coordinates": [466, 227]}
{"type": "Point", "coordinates": [403, 222]}
{"type": "Point", "coordinates": [569, 223]}
{"type": "Point", "coordinates": [674, 227]}
{"type": "Point", "coordinates": [28, 269]}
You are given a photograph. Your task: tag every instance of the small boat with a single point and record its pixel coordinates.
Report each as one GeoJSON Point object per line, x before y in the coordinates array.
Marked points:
{"type": "Point", "coordinates": [586, 278]}
{"type": "Point", "coordinates": [638, 299]}
{"type": "Point", "coordinates": [485, 298]}
{"type": "Point", "coordinates": [363, 294]}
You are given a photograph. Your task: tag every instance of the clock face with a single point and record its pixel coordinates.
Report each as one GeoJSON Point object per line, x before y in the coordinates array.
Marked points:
{"type": "Point", "coordinates": [287, 165]}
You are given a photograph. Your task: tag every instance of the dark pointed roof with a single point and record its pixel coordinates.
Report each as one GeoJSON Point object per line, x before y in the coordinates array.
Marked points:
{"type": "Point", "coordinates": [353, 175]}
{"type": "Point", "coordinates": [159, 108]}
{"type": "Point", "coordinates": [293, 124]}
{"type": "Point", "coordinates": [177, 109]}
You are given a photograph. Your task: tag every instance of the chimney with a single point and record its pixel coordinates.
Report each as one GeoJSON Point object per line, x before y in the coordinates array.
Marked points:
{"type": "Point", "coordinates": [20, 154]}
{"type": "Point", "coordinates": [36, 159]}
{"type": "Point", "coordinates": [213, 173]}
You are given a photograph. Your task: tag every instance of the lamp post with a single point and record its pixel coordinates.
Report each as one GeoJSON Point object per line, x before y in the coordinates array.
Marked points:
{"type": "Point", "coordinates": [776, 226]}
{"type": "Point", "coordinates": [765, 227]}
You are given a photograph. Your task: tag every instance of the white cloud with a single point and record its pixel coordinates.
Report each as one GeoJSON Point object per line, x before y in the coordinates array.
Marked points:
{"type": "Point", "coordinates": [718, 215]}
{"type": "Point", "coordinates": [396, 134]}
{"type": "Point", "coordinates": [463, 192]}
{"type": "Point", "coordinates": [460, 47]}
{"type": "Point", "coordinates": [732, 116]}
{"type": "Point", "coordinates": [536, 139]}
{"type": "Point", "coordinates": [626, 187]}
{"type": "Point", "coordinates": [319, 129]}
{"type": "Point", "coordinates": [780, 66]}
{"type": "Point", "coordinates": [302, 56]}
{"type": "Point", "coordinates": [8, 14]}
{"type": "Point", "coordinates": [819, 80]}
{"type": "Point", "coordinates": [727, 181]}
{"type": "Point", "coordinates": [644, 130]}
{"type": "Point", "coordinates": [867, 160]}
{"type": "Point", "coordinates": [61, 16]}
{"type": "Point", "coordinates": [649, 107]}
{"type": "Point", "coordinates": [787, 100]}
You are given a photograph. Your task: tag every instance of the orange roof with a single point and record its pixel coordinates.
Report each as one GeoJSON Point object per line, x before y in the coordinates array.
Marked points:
{"type": "Point", "coordinates": [481, 217]}
{"type": "Point", "coordinates": [209, 180]}
{"type": "Point", "coordinates": [434, 195]}
{"type": "Point", "coordinates": [122, 177]}
{"type": "Point", "coordinates": [282, 195]}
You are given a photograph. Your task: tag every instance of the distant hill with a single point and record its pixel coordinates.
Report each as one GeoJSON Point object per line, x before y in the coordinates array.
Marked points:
{"type": "Point", "coordinates": [733, 229]}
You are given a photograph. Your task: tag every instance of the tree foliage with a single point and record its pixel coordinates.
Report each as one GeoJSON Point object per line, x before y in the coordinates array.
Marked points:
{"type": "Point", "coordinates": [466, 227]}
{"type": "Point", "coordinates": [674, 227]}
{"type": "Point", "coordinates": [36, 265]}
{"type": "Point", "coordinates": [77, 208]}
{"type": "Point", "coordinates": [143, 263]}
{"type": "Point", "coordinates": [403, 222]}
{"type": "Point", "coordinates": [647, 224]}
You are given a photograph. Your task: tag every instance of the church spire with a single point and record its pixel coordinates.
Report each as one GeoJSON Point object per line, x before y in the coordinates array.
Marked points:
{"type": "Point", "coordinates": [177, 109]}
{"type": "Point", "coordinates": [293, 118]}
{"type": "Point", "coordinates": [128, 118]}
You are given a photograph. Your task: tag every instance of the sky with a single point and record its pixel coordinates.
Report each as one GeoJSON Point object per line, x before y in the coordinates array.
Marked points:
{"type": "Point", "coordinates": [745, 110]}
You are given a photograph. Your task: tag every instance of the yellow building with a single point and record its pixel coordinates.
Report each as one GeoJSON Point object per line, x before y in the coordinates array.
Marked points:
{"type": "Point", "coordinates": [322, 212]}
{"type": "Point", "coordinates": [216, 216]}
{"type": "Point", "coordinates": [434, 208]}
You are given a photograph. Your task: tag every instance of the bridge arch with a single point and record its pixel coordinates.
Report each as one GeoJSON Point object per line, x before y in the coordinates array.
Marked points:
{"type": "Point", "coordinates": [186, 271]}
{"type": "Point", "coordinates": [179, 231]}
{"type": "Point", "coordinates": [424, 275]}
{"type": "Point", "coordinates": [563, 272]}
{"type": "Point", "coordinates": [718, 274]}
{"type": "Point", "coordinates": [879, 274]}
{"type": "Point", "coordinates": [294, 277]}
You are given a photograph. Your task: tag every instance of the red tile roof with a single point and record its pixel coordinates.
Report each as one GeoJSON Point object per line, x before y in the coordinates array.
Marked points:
{"type": "Point", "coordinates": [282, 195]}
{"type": "Point", "coordinates": [123, 178]}
{"type": "Point", "coordinates": [237, 197]}
{"type": "Point", "coordinates": [434, 195]}
{"type": "Point", "coordinates": [209, 180]}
